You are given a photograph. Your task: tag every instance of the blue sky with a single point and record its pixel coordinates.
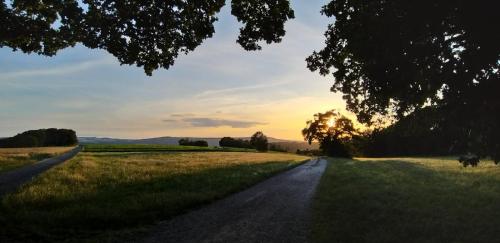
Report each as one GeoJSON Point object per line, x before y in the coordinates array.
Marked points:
{"type": "Point", "coordinates": [217, 90]}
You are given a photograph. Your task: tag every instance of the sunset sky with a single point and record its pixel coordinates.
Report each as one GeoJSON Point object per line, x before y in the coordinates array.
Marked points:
{"type": "Point", "coordinates": [217, 90]}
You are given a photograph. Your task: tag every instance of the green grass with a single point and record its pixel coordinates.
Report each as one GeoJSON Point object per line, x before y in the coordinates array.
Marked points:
{"type": "Point", "coordinates": [157, 148]}
{"type": "Point", "coordinates": [407, 200]}
{"type": "Point", "coordinates": [14, 158]}
{"type": "Point", "coordinates": [98, 196]}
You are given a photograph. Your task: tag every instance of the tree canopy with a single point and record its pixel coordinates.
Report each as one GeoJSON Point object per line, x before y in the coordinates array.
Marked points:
{"type": "Point", "coordinates": [259, 141]}
{"type": "Point", "coordinates": [387, 57]}
{"type": "Point", "coordinates": [41, 138]}
{"type": "Point", "coordinates": [147, 33]}
{"type": "Point", "coordinates": [332, 130]}
{"type": "Point", "coordinates": [401, 56]}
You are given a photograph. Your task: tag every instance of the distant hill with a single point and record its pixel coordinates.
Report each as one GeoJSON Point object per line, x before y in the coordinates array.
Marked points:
{"type": "Point", "coordinates": [289, 145]}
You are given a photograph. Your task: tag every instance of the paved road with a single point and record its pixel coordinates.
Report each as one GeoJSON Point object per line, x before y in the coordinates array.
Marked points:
{"type": "Point", "coordinates": [11, 180]}
{"type": "Point", "coordinates": [275, 210]}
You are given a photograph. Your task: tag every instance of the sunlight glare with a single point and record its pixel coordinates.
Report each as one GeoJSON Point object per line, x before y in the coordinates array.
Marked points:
{"type": "Point", "coordinates": [331, 122]}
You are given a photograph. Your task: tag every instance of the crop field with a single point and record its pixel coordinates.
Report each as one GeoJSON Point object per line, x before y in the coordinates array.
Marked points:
{"type": "Point", "coordinates": [13, 158]}
{"type": "Point", "coordinates": [157, 148]}
{"type": "Point", "coordinates": [100, 196]}
{"type": "Point", "coordinates": [407, 200]}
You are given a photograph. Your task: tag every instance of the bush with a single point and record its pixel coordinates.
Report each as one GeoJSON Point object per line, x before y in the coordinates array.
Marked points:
{"type": "Point", "coordinates": [308, 152]}
{"type": "Point", "coordinates": [277, 148]}
{"type": "Point", "coordinates": [188, 142]}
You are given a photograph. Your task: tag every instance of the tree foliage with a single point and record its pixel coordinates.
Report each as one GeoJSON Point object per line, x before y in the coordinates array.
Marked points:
{"type": "Point", "coordinates": [387, 57]}
{"type": "Point", "coordinates": [41, 138]}
{"type": "Point", "coordinates": [147, 33]}
{"type": "Point", "coordinates": [421, 133]}
{"type": "Point", "coordinates": [332, 130]}
{"type": "Point", "coordinates": [264, 20]}
{"type": "Point", "coordinates": [400, 56]}
{"type": "Point", "coordinates": [259, 141]}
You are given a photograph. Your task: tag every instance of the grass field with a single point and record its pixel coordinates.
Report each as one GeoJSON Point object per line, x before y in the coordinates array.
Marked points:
{"type": "Point", "coordinates": [407, 200]}
{"type": "Point", "coordinates": [157, 148]}
{"type": "Point", "coordinates": [99, 195]}
{"type": "Point", "coordinates": [13, 158]}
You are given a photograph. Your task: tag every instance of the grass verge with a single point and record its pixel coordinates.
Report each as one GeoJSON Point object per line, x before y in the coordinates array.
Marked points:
{"type": "Point", "coordinates": [13, 158]}
{"type": "Point", "coordinates": [95, 194]}
{"type": "Point", "coordinates": [407, 200]}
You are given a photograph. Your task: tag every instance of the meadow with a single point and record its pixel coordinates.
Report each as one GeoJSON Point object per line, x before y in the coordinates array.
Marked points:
{"type": "Point", "coordinates": [13, 158]}
{"type": "Point", "coordinates": [157, 148]}
{"type": "Point", "coordinates": [407, 200]}
{"type": "Point", "coordinates": [99, 196]}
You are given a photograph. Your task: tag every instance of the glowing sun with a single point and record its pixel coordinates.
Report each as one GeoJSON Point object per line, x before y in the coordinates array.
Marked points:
{"type": "Point", "coordinates": [330, 122]}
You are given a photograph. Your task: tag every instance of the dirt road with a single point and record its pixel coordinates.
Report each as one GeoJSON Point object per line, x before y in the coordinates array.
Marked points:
{"type": "Point", "coordinates": [275, 210]}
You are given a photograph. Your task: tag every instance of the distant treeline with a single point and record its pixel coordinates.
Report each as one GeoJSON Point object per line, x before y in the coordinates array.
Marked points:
{"type": "Point", "coordinates": [234, 143]}
{"type": "Point", "coordinates": [41, 138]}
{"type": "Point", "coordinates": [188, 142]}
{"type": "Point", "coordinates": [258, 141]}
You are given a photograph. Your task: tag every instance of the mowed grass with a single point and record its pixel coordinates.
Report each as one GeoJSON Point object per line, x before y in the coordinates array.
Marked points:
{"type": "Point", "coordinates": [97, 195]}
{"type": "Point", "coordinates": [407, 200]}
{"type": "Point", "coordinates": [157, 148]}
{"type": "Point", "coordinates": [13, 158]}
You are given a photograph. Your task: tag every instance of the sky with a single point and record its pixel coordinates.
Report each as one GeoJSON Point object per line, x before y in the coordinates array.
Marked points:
{"type": "Point", "coordinates": [217, 90]}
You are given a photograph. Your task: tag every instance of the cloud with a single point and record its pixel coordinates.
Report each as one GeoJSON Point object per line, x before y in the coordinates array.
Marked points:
{"type": "Point", "coordinates": [60, 70]}
{"type": "Point", "coordinates": [181, 115]}
{"type": "Point", "coordinates": [214, 122]}
{"type": "Point", "coordinates": [169, 120]}
{"type": "Point", "coordinates": [227, 91]}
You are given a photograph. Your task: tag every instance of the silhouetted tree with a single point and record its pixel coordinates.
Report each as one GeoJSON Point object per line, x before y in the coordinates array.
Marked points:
{"type": "Point", "coordinates": [147, 33]}
{"type": "Point", "coordinates": [332, 130]}
{"type": "Point", "coordinates": [41, 138]}
{"type": "Point", "coordinates": [385, 56]}
{"type": "Point", "coordinates": [259, 141]}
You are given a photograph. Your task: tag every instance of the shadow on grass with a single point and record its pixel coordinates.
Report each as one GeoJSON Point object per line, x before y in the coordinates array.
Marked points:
{"type": "Point", "coordinates": [77, 216]}
{"type": "Point", "coordinates": [400, 201]}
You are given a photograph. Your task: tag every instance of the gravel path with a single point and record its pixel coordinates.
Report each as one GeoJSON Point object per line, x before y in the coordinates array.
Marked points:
{"type": "Point", "coordinates": [275, 210]}
{"type": "Point", "coordinates": [11, 180]}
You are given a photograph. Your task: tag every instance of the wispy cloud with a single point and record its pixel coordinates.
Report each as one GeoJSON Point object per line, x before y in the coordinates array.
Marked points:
{"type": "Point", "coordinates": [214, 122]}
{"type": "Point", "coordinates": [55, 71]}
{"type": "Point", "coordinates": [181, 114]}
{"type": "Point", "coordinates": [169, 120]}
{"type": "Point", "coordinates": [221, 92]}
